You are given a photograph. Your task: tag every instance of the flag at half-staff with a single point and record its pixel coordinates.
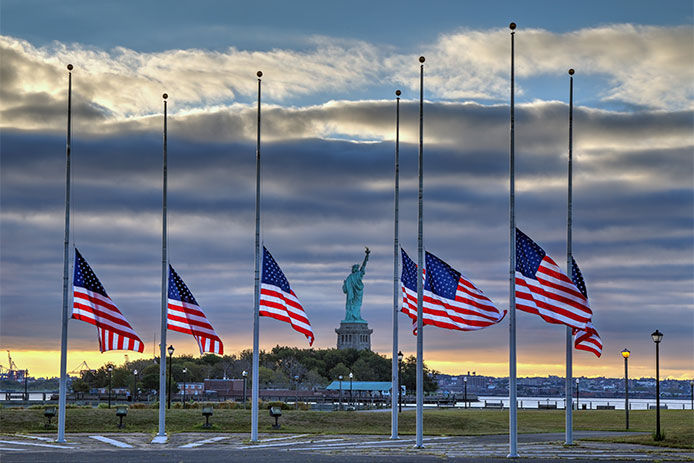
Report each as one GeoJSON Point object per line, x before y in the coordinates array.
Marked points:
{"type": "Point", "coordinates": [278, 301]}
{"type": "Point", "coordinates": [91, 304]}
{"type": "Point", "coordinates": [451, 301]}
{"type": "Point", "coordinates": [543, 289]}
{"type": "Point", "coordinates": [185, 315]}
{"type": "Point", "coordinates": [587, 339]}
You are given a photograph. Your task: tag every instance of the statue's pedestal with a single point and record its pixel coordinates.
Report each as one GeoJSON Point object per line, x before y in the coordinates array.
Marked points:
{"type": "Point", "coordinates": [354, 335]}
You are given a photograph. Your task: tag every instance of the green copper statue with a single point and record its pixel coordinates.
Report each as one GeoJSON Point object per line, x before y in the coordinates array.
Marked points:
{"type": "Point", "coordinates": [354, 289]}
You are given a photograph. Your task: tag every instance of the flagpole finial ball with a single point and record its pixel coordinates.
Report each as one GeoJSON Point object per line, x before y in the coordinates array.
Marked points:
{"type": "Point", "coordinates": [512, 26]}
{"type": "Point", "coordinates": [398, 92]}
{"type": "Point", "coordinates": [421, 59]}
{"type": "Point", "coordinates": [571, 72]}
{"type": "Point", "coordinates": [69, 67]}
{"type": "Point", "coordinates": [165, 95]}
{"type": "Point", "coordinates": [259, 73]}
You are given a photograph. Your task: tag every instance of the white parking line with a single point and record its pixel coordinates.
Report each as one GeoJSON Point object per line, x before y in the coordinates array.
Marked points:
{"type": "Point", "coordinates": [284, 444]}
{"type": "Point", "coordinates": [380, 443]}
{"type": "Point", "coordinates": [203, 442]}
{"type": "Point", "coordinates": [8, 448]}
{"type": "Point", "coordinates": [45, 439]}
{"type": "Point", "coordinates": [283, 438]}
{"type": "Point", "coordinates": [33, 444]}
{"type": "Point", "coordinates": [113, 442]}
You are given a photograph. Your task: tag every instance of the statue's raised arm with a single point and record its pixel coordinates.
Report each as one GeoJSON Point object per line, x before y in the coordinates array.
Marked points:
{"type": "Point", "coordinates": [366, 259]}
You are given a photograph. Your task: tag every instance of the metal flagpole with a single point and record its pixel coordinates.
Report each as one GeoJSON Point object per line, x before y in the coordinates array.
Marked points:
{"type": "Point", "coordinates": [513, 403]}
{"type": "Point", "coordinates": [569, 334]}
{"type": "Point", "coordinates": [164, 294]}
{"type": "Point", "coordinates": [66, 265]}
{"type": "Point", "coordinates": [420, 266]}
{"type": "Point", "coordinates": [256, 300]}
{"type": "Point", "coordinates": [395, 388]}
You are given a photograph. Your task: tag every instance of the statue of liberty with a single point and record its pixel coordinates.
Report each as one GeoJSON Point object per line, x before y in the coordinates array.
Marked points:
{"type": "Point", "coordinates": [353, 287]}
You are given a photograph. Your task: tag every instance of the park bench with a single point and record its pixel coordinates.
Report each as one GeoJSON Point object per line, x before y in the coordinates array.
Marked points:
{"type": "Point", "coordinates": [498, 405]}
{"type": "Point", "coordinates": [547, 406]}
{"type": "Point", "coordinates": [605, 407]}
{"type": "Point", "coordinates": [207, 413]}
{"type": "Point", "coordinates": [662, 407]}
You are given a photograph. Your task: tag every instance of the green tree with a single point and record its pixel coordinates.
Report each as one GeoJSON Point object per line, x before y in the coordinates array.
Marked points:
{"type": "Point", "coordinates": [408, 376]}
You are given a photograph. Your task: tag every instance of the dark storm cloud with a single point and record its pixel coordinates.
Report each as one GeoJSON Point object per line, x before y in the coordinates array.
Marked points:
{"type": "Point", "coordinates": [323, 200]}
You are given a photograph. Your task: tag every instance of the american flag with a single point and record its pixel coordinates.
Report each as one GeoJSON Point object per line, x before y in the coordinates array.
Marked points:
{"type": "Point", "coordinates": [185, 315]}
{"type": "Point", "coordinates": [450, 300]}
{"type": "Point", "coordinates": [543, 289]}
{"type": "Point", "coordinates": [587, 339]}
{"type": "Point", "coordinates": [277, 300]}
{"type": "Point", "coordinates": [91, 304]}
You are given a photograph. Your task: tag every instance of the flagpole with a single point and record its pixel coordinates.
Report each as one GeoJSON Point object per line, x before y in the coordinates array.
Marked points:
{"type": "Point", "coordinates": [513, 403]}
{"type": "Point", "coordinates": [420, 266]}
{"type": "Point", "coordinates": [569, 333]}
{"type": "Point", "coordinates": [164, 287]}
{"type": "Point", "coordinates": [62, 396]}
{"type": "Point", "coordinates": [256, 300]}
{"type": "Point", "coordinates": [395, 388]}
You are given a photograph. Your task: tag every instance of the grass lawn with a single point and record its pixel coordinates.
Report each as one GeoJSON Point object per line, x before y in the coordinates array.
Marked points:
{"type": "Point", "coordinates": [677, 425]}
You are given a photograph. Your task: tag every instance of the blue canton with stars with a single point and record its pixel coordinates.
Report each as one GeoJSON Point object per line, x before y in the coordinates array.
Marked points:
{"type": "Point", "coordinates": [272, 275]}
{"type": "Point", "coordinates": [409, 272]}
{"type": "Point", "coordinates": [577, 278]}
{"type": "Point", "coordinates": [442, 279]}
{"type": "Point", "coordinates": [84, 276]}
{"type": "Point", "coordinates": [528, 255]}
{"type": "Point", "coordinates": [178, 290]}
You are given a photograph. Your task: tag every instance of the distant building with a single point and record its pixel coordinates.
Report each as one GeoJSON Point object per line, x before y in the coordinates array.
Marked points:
{"type": "Point", "coordinates": [223, 387]}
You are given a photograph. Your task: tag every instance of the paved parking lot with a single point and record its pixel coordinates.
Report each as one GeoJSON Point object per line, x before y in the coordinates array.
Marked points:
{"type": "Point", "coordinates": [123, 447]}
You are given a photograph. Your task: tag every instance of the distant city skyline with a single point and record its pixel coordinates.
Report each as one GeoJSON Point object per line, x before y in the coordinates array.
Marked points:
{"type": "Point", "coordinates": [330, 73]}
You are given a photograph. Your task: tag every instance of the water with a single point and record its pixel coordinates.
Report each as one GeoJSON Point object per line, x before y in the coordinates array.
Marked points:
{"type": "Point", "coordinates": [590, 402]}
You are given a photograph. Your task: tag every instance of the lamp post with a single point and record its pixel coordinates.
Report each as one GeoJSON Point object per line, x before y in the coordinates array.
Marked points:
{"type": "Point", "coordinates": [109, 368]}
{"type": "Point", "coordinates": [340, 378]}
{"type": "Point", "coordinates": [245, 377]}
{"type": "Point", "coordinates": [296, 392]}
{"type": "Point", "coordinates": [577, 393]}
{"type": "Point", "coordinates": [134, 385]}
{"type": "Point", "coordinates": [26, 385]}
{"type": "Point", "coordinates": [170, 350]}
{"type": "Point", "coordinates": [465, 390]}
{"type": "Point", "coordinates": [351, 401]}
{"type": "Point", "coordinates": [625, 354]}
{"type": "Point", "coordinates": [400, 357]}
{"type": "Point", "coordinates": [183, 397]}
{"type": "Point", "coordinates": [657, 336]}
{"type": "Point", "coordinates": [691, 386]}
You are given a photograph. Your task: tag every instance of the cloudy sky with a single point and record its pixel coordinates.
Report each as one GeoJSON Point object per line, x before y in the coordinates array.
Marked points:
{"type": "Point", "coordinates": [330, 72]}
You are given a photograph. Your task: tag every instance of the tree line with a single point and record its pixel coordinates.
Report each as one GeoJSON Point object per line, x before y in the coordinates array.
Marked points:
{"type": "Point", "coordinates": [280, 368]}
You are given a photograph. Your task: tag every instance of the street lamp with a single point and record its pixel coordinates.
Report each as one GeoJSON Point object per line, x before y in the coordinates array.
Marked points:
{"type": "Point", "coordinates": [577, 392]}
{"type": "Point", "coordinates": [245, 377]}
{"type": "Point", "coordinates": [351, 401]}
{"type": "Point", "coordinates": [691, 386]}
{"type": "Point", "coordinates": [109, 368]}
{"type": "Point", "coordinates": [340, 378]}
{"type": "Point", "coordinates": [625, 354]}
{"type": "Point", "coordinates": [465, 390]}
{"type": "Point", "coordinates": [134, 386]}
{"type": "Point", "coordinates": [183, 397]}
{"type": "Point", "coordinates": [170, 350]}
{"type": "Point", "coordinates": [400, 357]}
{"type": "Point", "coordinates": [657, 337]}
{"type": "Point", "coordinates": [296, 392]}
